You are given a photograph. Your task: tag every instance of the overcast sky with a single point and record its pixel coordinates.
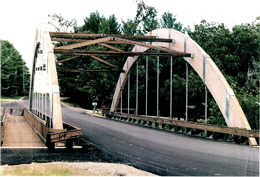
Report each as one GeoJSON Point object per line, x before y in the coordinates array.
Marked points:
{"type": "Point", "coordinates": [19, 18]}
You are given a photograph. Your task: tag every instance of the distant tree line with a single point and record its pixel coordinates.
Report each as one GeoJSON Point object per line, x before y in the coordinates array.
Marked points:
{"type": "Point", "coordinates": [15, 77]}
{"type": "Point", "coordinates": [235, 52]}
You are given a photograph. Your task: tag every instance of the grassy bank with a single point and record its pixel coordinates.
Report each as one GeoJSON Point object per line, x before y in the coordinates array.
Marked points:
{"type": "Point", "coordinates": [43, 170]}
{"type": "Point", "coordinates": [5, 99]}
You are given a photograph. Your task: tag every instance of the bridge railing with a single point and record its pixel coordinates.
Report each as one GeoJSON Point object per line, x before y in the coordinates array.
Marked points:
{"type": "Point", "coordinates": [50, 136]}
{"type": "Point", "coordinates": [39, 125]}
{"type": "Point", "coordinates": [3, 123]}
{"type": "Point", "coordinates": [181, 126]}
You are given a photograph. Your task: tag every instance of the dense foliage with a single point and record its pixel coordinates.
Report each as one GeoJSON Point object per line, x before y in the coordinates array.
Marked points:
{"type": "Point", "coordinates": [235, 52]}
{"type": "Point", "coordinates": [15, 78]}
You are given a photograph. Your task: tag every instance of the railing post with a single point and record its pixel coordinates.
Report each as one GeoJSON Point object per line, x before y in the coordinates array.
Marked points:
{"type": "Point", "coordinates": [206, 99]}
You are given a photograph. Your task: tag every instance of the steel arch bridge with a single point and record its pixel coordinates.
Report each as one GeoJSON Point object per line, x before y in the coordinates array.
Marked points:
{"type": "Point", "coordinates": [44, 87]}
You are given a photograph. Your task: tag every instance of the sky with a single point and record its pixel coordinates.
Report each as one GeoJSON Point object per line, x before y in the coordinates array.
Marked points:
{"type": "Point", "coordinates": [19, 18]}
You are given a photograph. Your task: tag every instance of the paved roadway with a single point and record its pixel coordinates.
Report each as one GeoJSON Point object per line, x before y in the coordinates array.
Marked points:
{"type": "Point", "coordinates": [162, 152]}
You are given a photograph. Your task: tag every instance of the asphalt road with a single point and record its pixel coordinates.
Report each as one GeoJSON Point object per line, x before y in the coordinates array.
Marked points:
{"type": "Point", "coordinates": [162, 152]}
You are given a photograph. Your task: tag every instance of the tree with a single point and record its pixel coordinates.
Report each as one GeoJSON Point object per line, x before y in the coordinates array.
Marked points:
{"type": "Point", "coordinates": [144, 21]}
{"type": "Point", "coordinates": [15, 77]}
{"type": "Point", "coordinates": [62, 25]}
{"type": "Point", "coordinates": [236, 53]}
{"type": "Point", "coordinates": [92, 23]}
{"type": "Point", "coordinates": [168, 21]}
{"type": "Point", "coordinates": [113, 25]}
{"type": "Point", "coordinates": [130, 27]}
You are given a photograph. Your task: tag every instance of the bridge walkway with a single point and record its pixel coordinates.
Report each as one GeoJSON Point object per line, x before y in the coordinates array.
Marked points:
{"type": "Point", "coordinates": [18, 133]}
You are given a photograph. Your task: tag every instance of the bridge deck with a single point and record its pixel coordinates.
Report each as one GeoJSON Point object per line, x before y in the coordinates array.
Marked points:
{"type": "Point", "coordinates": [18, 133]}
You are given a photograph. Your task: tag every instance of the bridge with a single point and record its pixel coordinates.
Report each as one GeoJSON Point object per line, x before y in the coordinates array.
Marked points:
{"type": "Point", "coordinates": [44, 112]}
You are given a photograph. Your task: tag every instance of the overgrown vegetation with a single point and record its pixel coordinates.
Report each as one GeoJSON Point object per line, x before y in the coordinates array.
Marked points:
{"type": "Point", "coordinates": [235, 52]}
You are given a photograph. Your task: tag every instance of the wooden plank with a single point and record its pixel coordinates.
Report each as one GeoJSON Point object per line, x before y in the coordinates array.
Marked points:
{"type": "Point", "coordinates": [71, 134]}
{"type": "Point", "coordinates": [28, 113]}
{"type": "Point", "coordinates": [37, 124]}
{"type": "Point", "coordinates": [81, 40]}
{"type": "Point", "coordinates": [111, 47]}
{"type": "Point", "coordinates": [18, 133]}
{"type": "Point", "coordinates": [171, 51]}
{"type": "Point", "coordinates": [82, 44]}
{"type": "Point", "coordinates": [82, 70]}
{"type": "Point", "coordinates": [93, 36]}
{"type": "Point", "coordinates": [67, 59]}
{"type": "Point", "coordinates": [69, 126]}
{"type": "Point", "coordinates": [51, 130]}
{"type": "Point", "coordinates": [188, 124]}
{"type": "Point", "coordinates": [75, 36]}
{"type": "Point", "coordinates": [105, 62]}
{"type": "Point", "coordinates": [113, 53]}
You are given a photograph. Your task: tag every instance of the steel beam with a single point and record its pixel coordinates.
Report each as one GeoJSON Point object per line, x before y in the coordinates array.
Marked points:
{"type": "Point", "coordinates": [187, 82]}
{"type": "Point", "coordinates": [158, 70]}
{"type": "Point", "coordinates": [128, 91]}
{"type": "Point", "coordinates": [170, 79]}
{"type": "Point", "coordinates": [146, 96]}
{"type": "Point", "coordinates": [136, 110]}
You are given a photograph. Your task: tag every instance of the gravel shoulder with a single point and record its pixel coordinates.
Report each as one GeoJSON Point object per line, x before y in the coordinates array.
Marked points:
{"type": "Point", "coordinates": [71, 169]}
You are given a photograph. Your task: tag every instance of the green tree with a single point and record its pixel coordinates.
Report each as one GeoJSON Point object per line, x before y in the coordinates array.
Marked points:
{"type": "Point", "coordinates": [114, 25]}
{"type": "Point", "coordinates": [236, 53]}
{"type": "Point", "coordinates": [146, 17]}
{"type": "Point", "coordinates": [130, 27]}
{"type": "Point", "coordinates": [169, 21]}
{"type": "Point", "coordinates": [92, 23]}
{"type": "Point", "coordinates": [144, 21]}
{"type": "Point", "coordinates": [15, 77]}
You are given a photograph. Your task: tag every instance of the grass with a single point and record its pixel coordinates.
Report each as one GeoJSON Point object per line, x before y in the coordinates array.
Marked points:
{"type": "Point", "coordinates": [5, 99]}
{"type": "Point", "coordinates": [38, 169]}
{"type": "Point", "coordinates": [11, 98]}
{"type": "Point", "coordinates": [66, 101]}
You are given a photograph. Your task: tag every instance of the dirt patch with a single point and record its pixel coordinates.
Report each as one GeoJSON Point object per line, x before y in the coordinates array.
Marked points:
{"type": "Point", "coordinates": [72, 169]}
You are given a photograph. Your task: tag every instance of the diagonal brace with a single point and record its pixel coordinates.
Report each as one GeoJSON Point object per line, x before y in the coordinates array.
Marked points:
{"type": "Point", "coordinates": [82, 44]}
{"type": "Point", "coordinates": [126, 41]}
{"type": "Point", "coordinates": [66, 59]}
{"type": "Point", "coordinates": [105, 62]}
{"type": "Point", "coordinates": [111, 47]}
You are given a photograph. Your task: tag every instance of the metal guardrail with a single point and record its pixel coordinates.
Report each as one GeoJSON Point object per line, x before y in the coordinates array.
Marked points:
{"type": "Point", "coordinates": [187, 124]}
